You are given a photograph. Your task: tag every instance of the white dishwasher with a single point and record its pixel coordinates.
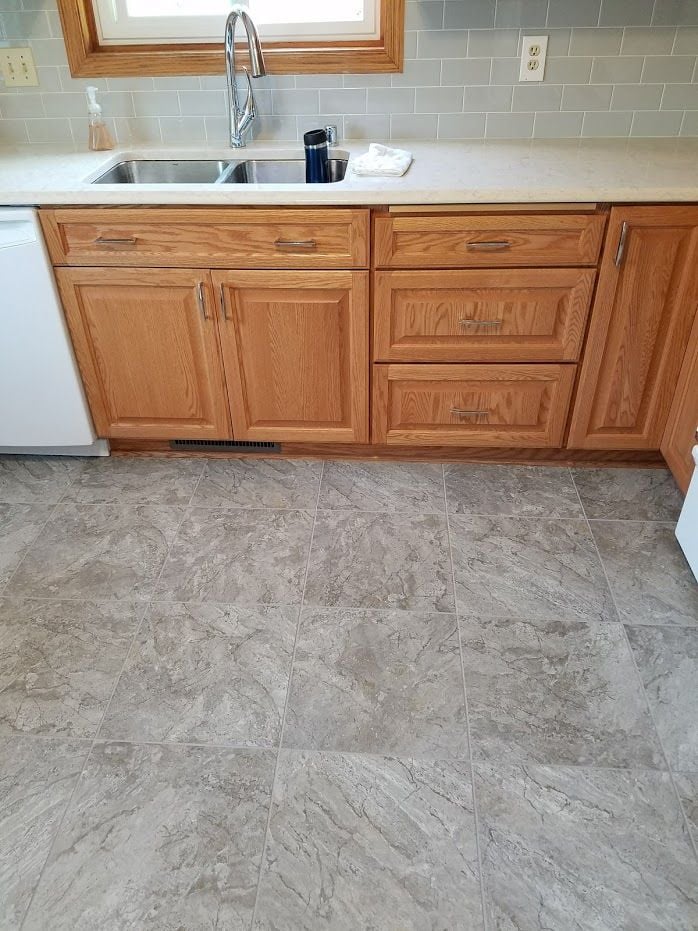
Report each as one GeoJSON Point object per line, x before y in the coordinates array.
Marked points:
{"type": "Point", "coordinates": [42, 405]}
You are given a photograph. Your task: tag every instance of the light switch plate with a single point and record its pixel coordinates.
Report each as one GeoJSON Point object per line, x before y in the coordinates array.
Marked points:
{"type": "Point", "coordinates": [533, 53]}
{"type": "Point", "coordinates": [18, 68]}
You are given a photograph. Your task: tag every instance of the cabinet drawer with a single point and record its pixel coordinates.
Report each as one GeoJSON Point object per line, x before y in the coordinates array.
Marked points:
{"type": "Point", "coordinates": [209, 238]}
{"type": "Point", "coordinates": [536, 315]}
{"type": "Point", "coordinates": [463, 241]}
{"type": "Point", "coordinates": [471, 405]}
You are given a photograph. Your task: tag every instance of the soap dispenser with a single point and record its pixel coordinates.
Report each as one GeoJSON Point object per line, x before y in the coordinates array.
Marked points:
{"type": "Point", "coordinates": [99, 136]}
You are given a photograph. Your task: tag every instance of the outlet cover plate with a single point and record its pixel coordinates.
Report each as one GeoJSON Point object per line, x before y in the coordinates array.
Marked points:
{"type": "Point", "coordinates": [18, 69]}
{"type": "Point", "coordinates": [534, 50]}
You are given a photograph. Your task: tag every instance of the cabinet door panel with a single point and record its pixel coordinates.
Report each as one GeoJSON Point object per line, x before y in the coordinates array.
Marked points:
{"type": "Point", "coordinates": [295, 350]}
{"type": "Point", "coordinates": [681, 433]}
{"type": "Point", "coordinates": [147, 347]}
{"type": "Point", "coordinates": [645, 305]}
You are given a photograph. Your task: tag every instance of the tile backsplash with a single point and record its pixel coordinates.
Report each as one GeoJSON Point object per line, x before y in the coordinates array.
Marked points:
{"type": "Point", "coordinates": [615, 68]}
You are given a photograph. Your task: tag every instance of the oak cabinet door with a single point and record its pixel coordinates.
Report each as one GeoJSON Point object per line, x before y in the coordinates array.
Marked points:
{"type": "Point", "coordinates": [147, 346]}
{"type": "Point", "coordinates": [681, 433]}
{"type": "Point", "coordinates": [295, 351]}
{"type": "Point", "coordinates": [645, 305]}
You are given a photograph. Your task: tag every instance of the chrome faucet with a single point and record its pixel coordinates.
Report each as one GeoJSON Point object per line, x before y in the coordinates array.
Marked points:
{"type": "Point", "coordinates": [240, 120]}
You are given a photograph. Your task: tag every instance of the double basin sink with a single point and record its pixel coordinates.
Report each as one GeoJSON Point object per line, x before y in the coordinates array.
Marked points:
{"type": "Point", "coordinates": [208, 171]}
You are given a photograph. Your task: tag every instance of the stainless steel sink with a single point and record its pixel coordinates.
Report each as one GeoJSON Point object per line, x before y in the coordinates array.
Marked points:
{"type": "Point", "coordinates": [278, 171]}
{"type": "Point", "coordinates": [159, 171]}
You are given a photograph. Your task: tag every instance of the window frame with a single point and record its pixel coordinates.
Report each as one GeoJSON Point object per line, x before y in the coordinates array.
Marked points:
{"type": "Point", "coordinates": [87, 57]}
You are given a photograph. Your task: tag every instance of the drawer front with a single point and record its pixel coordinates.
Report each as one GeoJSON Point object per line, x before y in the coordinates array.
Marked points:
{"type": "Point", "coordinates": [536, 315]}
{"type": "Point", "coordinates": [464, 241]}
{"type": "Point", "coordinates": [471, 405]}
{"type": "Point", "coordinates": [215, 238]}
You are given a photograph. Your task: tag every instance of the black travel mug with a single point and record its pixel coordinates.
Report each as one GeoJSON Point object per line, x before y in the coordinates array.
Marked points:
{"type": "Point", "coordinates": [317, 150]}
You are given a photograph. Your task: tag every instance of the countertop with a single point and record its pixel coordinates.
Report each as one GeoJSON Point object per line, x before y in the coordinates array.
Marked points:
{"type": "Point", "coordinates": [545, 171]}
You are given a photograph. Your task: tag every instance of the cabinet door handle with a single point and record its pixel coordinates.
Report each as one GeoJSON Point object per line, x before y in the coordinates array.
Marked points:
{"type": "Point", "coordinates": [115, 241]}
{"type": "Point", "coordinates": [201, 300]}
{"type": "Point", "coordinates": [496, 245]}
{"type": "Point", "coordinates": [471, 321]}
{"type": "Point", "coordinates": [296, 244]}
{"type": "Point", "coordinates": [620, 252]}
{"type": "Point", "coordinates": [458, 412]}
{"type": "Point", "coordinates": [221, 294]}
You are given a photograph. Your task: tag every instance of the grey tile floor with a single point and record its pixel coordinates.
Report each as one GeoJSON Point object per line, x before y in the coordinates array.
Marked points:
{"type": "Point", "coordinates": [295, 695]}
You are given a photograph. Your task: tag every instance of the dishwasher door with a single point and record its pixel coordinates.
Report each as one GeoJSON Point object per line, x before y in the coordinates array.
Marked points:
{"type": "Point", "coordinates": [42, 405]}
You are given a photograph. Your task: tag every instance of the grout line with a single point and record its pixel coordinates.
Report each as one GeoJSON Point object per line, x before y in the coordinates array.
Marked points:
{"type": "Point", "coordinates": [283, 715]}
{"type": "Point", "coordinates": [476, 820]}
{"type": "Point", "coordinates": [687, 826]}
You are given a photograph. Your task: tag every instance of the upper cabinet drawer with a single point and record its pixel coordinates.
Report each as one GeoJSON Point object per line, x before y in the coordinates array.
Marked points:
{"type": "Point", "coordinates": [209, 238]}
{"type": "Point", "coordinates": [470, 240]}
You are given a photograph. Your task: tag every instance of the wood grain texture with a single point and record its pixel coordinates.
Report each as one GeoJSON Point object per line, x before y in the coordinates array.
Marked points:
{"type": "Point", "coordinates": [526, 405]}
{"type": "Point", "coordinates": [217, 237]}
{"type": "Point", "coordinates": [640, 324]}
{"type": "Point", "coordinates": [681, 433]}
{"type": "Point", "coordinates": [150, 360]}
{"type": "Point", "coordinates": [88, 58]}
{"type": "Point", "coordinates": [650, 459]}
{"type": "Point", "coordinates": [451, 241]}
{"type": "Point", "coordinates": [527, 315]}
{"type": "Point", "coordinates": [295, 349]}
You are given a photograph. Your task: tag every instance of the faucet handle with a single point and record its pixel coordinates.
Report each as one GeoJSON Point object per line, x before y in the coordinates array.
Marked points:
{"type": "Point", "coordinates": [332, 134]}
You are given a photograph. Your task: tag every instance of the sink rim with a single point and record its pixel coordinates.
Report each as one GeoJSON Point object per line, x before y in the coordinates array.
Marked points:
{"type": "Point", "coordinates": [223, 163]}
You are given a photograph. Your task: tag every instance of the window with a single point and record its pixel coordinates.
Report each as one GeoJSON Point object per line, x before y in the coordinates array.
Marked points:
{"type": "Point", "coordinates": [153, 37]}
{"type": "Point", "coordinates": [159, 21]}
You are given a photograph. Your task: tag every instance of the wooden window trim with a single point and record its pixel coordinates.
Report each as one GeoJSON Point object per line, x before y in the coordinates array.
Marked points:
{"type": "Point", "coordinates": [87, 58]}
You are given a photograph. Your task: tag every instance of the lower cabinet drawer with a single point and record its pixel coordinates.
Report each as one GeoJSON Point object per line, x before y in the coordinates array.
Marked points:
{"type": "Point", "coordinates": [471, 405]}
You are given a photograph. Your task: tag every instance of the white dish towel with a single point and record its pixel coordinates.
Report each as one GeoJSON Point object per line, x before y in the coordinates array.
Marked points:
{"type": "Point", "coordinates": [382, 161]}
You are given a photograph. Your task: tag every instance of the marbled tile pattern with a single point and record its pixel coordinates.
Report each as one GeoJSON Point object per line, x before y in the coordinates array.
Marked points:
{"type": "Point", "coordinates": [37, 778]}
{"type": "Point", "coordinates": [275, 697]}
{"type": "Point", "coordinates": [158, 836]}
{"type": "Point", "coordinates": [517, 491]}
{"type": "Point", "coordinates": [377, 682]}
{"type": "Point", "coordinates": [522, 567]}
{"type": "Point", "coordinates": [100, 552]}
{"type": "Point", "coordinates": [584, 848]}
{"type": "Point", "coordinates": [409, 487]}
{"type": "Point", "coordinates": [628, 494]}
{"type": "Point", "coordinates": [647, 571]}
{"type": "Point", "coordinates": [259, 483]}
{"type": "Point", "coordinates": [555, 692]}
{"type": "Point", "coordinates": [370, 842]}
{"type": "Point", "coordinates": [205, 674]}
{"type": "Point", "coordinates": [380, 561]}
{"type": "Point", "coordinates": [59, 662]}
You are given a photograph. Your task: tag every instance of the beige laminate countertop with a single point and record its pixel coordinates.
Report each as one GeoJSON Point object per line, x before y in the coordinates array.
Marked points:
{"type": "Point", "coordinates": [545, 171]}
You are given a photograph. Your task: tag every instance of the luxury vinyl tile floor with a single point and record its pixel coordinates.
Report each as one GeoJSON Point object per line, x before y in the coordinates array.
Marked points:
{"type": "Point", "coordinates": [293, 695]}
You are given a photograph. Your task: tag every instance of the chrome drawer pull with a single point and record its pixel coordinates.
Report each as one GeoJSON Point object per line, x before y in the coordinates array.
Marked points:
{"type": "Point", "coordinates": [457, 412]}
{"type": "Point", "coordinates": [295, 244]}
{"type": "Point", "coordinates": [106, 241]}
{"type": "Point", "coordinates": [620, 252]}
{"type": "Point", "coordinates": [494, 246]}
{"type": "Point", "coordinates": [201, 300]}
{"type": "Point", "coordinates": [470, 321]}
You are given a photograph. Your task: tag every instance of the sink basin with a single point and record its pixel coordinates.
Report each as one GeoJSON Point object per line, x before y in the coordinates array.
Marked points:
{"type": "Point", "coordinates": [278, 171]}
{"type": "Point", "coordinates": [158, 171]}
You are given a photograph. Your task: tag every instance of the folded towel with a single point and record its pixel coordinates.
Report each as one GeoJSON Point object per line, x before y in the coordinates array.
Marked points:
{"type": "Point", "coordinates": [380, 160]}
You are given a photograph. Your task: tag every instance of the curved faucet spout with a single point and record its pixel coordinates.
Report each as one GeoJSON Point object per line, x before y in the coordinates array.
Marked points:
{"type": "Point", "coordinates": [240, 118]}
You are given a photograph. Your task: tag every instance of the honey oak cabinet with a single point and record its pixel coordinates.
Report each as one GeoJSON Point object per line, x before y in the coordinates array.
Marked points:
{"type": "Point", "coordinates": [681, 433]}
{"type": "Point", "coordinates": [147, 346]}
{"type": "Point", "coordinates": [646, 301]}
{"type": "Point", "coordinates": [295, 350]}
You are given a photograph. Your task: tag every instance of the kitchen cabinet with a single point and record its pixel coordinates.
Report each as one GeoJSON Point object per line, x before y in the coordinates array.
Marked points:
{"type": "Point", "coordinates": [645, 304]}
{"type": "Point", "coordinates": [681, 433]}
{"type": "Point", "coordinates": [147, 347]}
{"type": "Point", "coordinates": [295, 350]}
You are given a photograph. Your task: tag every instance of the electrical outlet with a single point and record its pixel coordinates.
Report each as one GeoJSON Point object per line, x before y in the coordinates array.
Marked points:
{"type": "Point", "coordinates": [18, 68]}
{"type": "Point", "coordinates": [533, 52]}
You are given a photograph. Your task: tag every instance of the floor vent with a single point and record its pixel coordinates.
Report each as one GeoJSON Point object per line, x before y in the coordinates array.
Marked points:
{"type": "Point", "coordinates": [238, 446]}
